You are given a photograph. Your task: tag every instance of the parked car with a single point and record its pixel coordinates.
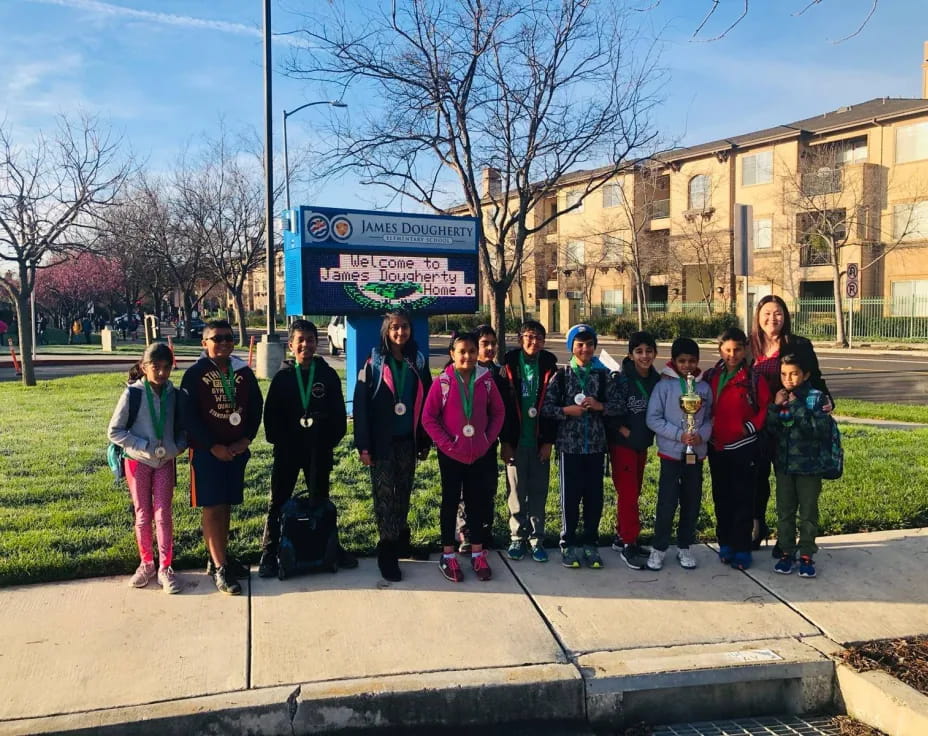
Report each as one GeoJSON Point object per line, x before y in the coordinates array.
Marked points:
{"type": "Point", "coordinates": [194, 327]}
{"type": "Point", "coordinates": [337, 334]}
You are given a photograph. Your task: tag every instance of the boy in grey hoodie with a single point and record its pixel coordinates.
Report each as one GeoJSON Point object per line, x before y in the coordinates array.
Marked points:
{"type": "Point", "coordinates": [680, 483]}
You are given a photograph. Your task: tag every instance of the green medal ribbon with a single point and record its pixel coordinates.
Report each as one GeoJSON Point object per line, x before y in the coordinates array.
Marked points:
{"type": "Point", "coordinates": [530, 377]}
{"type": "Point", "coordinates": [467, 400]}
{"type": "Point", "coordinates": [581, 373]}
{"type": "Point", "coordinates": [683, 386]}
{"type": "Point", "coordinates": [156, 419]}
{"type": "Point", "coordinates": [228, 384]}
{"type": "Point", "coordinates": [723, 379]}
{"type": "Point", "coordinates": [400, 373]}
{"type": "Point", "coordinates": [644, 391]}
{"type": "Point", "coordinates": [306, 389]}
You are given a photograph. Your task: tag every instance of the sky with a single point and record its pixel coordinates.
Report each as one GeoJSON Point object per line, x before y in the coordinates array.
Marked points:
{"type": "Point", "coordinates": [162, 73]}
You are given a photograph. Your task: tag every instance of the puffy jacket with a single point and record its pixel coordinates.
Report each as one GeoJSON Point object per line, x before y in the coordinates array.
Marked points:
{"type": "Point", "coordinates": [443, 416]}
{"type": "Point", "coordinates": [666, 419]}
{"type": "Point", "coordinates": [738, 414]}
{"type": "Point", "coordinates": [802, 433]}
{"type": "Point", "coordinates": [545, 427]}
{"type": "Point", "coordinates": [583, 435]}
{"type": "Point", "coordinates": [635, 405]}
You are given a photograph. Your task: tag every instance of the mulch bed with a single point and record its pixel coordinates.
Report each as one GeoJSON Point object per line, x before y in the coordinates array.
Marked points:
{"type": "Point", "coordinates": [847, 726]}
{"type": "Point", "coordinates": [904, 659]}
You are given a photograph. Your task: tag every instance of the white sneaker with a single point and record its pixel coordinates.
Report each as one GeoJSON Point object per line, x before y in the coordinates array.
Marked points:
{"type": "Point", "coordinates": [687, 561]}
{"type": "Point", "coordinates": [143, 575]}
{"type": "Point", "coordinates": [168, 580]}
{"type": "Point", "coordinates": [656, 559]}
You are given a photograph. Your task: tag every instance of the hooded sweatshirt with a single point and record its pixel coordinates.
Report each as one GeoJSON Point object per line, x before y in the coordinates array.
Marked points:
{"type": "Point", "coordinates": [586, 434]}
{"type": "Point", "coordinates": [667, 420]}
{"type": "Point", "coordinates": [740, 409]}
{"type": "Point", "coordinates": [140, 440]}
{"type": "Point", "coordinates": [443, 415]}
{"type": "Point", "coordinates": [637, 391]}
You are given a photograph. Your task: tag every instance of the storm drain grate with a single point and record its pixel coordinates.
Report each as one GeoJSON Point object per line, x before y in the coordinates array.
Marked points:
{"type": "Point", "coordinates": [787, 726]}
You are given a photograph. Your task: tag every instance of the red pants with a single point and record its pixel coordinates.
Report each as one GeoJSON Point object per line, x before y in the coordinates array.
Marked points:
{"type": "Point", "coordinates": [627, 477]}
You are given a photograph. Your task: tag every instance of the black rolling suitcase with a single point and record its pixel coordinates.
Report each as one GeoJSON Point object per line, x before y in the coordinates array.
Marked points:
{"type": "Point", "coordinates": [308, 537]}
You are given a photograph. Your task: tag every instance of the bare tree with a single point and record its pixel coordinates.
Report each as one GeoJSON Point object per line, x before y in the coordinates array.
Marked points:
{"type": "Point", "coordinates": [50, 196]}
{"type": "Point", "coordinates": [495, 101]}
{"type": "Point", "coordinates": [838, 207]}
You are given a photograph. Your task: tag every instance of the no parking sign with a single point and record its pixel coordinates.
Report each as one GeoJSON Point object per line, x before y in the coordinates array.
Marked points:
{"type": "Point", "coordinates": [852, 287]}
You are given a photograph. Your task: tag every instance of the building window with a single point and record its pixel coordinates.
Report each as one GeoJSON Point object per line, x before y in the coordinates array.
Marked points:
{"type": "Point", "coordinates": [700, 196]}
{"type": "Point", "coordinates": [757, 169]}
{"type": "Point", "coordinates": [612, 301]}
{"type": "Point", "coordinates": [853, 151]}
{"type": "Point", "coordinates": [576, 253]}
{"type": "Point", "coordinates": [910, 221]}
{"type": "Point", "coordinates": [573, 197]}
{"type": "Point", "coordinates": [763, 233]}
{"type": "Point", "coordinates": [911, 142]}
{"type": "Point", "coordinates": [910, 298]}
{"type": "Point", "coordinates": [612, 195]}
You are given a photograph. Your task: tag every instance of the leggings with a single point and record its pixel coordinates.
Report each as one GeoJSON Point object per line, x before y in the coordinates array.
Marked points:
{"type": "Point", "coordinates": [152, 490]}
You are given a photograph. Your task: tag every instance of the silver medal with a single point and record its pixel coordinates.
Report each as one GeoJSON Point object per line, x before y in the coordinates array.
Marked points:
{"type": "Point", "coordinates": [400, 409]}
{"type": "Point", "coordinates": [160, 452]}
{"type": "Point", "coordinates": [579, 398]}
{"type": "Point", "coordinates": [306, 422]}
{"type": "Point", "coordinates": [533, 412]}
{"type": "Point", "coordinates": [235, 418]}
{"type": "Point", "coordinates": [468, 430]}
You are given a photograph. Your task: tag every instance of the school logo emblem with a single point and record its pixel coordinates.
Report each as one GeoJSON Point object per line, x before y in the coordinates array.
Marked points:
{"type": "Point", "coordinates": [341, 228]}
{"type": "Point", "coordinates": [317, 227]}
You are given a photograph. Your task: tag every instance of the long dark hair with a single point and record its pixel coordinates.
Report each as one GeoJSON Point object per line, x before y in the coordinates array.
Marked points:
{"type": "Point", "coordinates": [757, 334]}
{"type": "Point", "coordinates": [457, 337]}
{"type": "Point", "coordinates": [410, 348]}
{"type": "Point", "coordinates": [153, 353]}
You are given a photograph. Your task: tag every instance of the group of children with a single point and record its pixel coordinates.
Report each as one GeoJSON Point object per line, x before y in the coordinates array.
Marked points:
{"type": "Point", "coordinates": [474, 412]}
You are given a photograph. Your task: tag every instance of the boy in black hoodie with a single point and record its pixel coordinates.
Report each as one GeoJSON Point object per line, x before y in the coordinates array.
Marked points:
{"type": "Point", "coordinates": [629, 440]}
{"type": "Point", "coordinates": [304, 419]}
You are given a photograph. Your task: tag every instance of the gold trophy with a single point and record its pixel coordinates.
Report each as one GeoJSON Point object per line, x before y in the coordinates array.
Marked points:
{"type": "Point", "coordinates": [690, 403]}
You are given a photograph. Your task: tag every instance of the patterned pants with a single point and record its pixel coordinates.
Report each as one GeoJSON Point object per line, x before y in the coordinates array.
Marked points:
{"type": "Point", "coordinates": [152, 492]}
{"type": "Point", "coordinates": [391, 480]}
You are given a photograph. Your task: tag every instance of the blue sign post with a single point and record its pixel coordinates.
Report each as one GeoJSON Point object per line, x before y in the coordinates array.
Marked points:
{"type": "Point", "coordinates": [365, 263]}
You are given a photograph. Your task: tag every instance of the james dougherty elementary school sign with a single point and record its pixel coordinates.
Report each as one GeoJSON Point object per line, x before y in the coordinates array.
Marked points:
{"type": "Point", "coordinates": [358, 262]}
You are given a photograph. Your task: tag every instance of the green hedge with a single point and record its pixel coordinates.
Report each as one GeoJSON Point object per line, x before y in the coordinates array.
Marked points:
{"type": "Point", "coordinates": [467, 323]}
{"type": "Point", "coordinates": [668, 326]}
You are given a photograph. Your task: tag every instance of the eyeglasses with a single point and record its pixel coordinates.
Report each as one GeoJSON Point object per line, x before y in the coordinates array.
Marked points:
{"type": "Point", "coordinates": [221, 338]}
{"type": "Point", "coordinates": [531, 337]}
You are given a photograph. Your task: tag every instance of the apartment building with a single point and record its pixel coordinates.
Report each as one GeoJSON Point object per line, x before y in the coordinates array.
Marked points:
{"type": "Point", "coordinates": [849, 185]}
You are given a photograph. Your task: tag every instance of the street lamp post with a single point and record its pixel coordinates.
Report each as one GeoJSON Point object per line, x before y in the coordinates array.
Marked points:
{"type": "Point", "coordinates": [333, 103]}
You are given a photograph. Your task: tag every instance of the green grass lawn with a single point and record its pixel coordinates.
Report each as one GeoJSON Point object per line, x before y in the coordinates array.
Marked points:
{"type": "Point", "coordinates": [62, 517]}
{"type": "Point", "coordinates": [876, 410]}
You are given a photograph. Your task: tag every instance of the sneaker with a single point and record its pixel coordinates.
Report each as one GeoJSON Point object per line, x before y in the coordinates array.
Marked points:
{"type": "Point", "coordinates": [634, 557]}
{"type": "Point", "coordinates": [784, 565]}
{"type": "Point", "coordinates": [516, 550]}
{"type": "Point", "coordinates": [686, 559]}
{"type": "Point", "coordinates": [451, 569]}
{"type": "Point", "coordinates": [481, 566]}
{"type": "Point", "coordinates": [806, 567]}
{"type": "Point", "coordinates": [234, 568]}
{"type": "Point", "coordinates": [741, 560]}
{"type": "Point", "coordinates": [725, 554]}
{"type": "Point", "coordinates": [168, 580]}
{"type": "Point", "coordinates": [617, 544]}
{"type": "Point", "coordinates": [656, 559]}
{"type": "Point", "coordinates": [267, 568]}
{"type": "Point", "coordinates": [591, 557]}
{"type": "Point", "coordinates": [225, 583]}
{"type": "Point", "coordinates": [344, 559]}
{"type": "Point", "coordinates": [570, 558]}
{"type": "Point", "coordinates": [143, 575]}
{"type": "Point", "coordinates": [539, 553]}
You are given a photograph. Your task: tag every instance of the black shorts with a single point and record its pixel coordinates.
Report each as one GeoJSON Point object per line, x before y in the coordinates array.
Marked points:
{"type": "Point", "coordinates": [214, 482]}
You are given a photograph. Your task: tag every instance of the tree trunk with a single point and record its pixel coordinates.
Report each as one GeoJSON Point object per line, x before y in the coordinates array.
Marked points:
{"type": "Point", "coordinates": [840, 336]}
{"type": "Point", "coordinates": [24, 317]}
{"type": "Point", "coordinates": [238, 305]}
{"type": "Point", "coordinates": [498, 316]}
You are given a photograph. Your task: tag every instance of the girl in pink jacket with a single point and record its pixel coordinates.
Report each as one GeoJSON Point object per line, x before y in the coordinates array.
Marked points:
{"type": "Point", "coordinates": [463, 415]}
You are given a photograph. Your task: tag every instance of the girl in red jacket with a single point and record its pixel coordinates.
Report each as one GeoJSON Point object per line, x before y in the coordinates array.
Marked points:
{"type": "Point", "coordinates": [463, 415]}
{"type": "Point", "coordinates": [739, 409]}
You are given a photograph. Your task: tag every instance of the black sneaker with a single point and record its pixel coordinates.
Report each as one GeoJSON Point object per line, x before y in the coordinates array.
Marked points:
{"type": "Point", "coordinates": [345, 559]}
{"type": "Point", "coordinates": [234, 568]}
{"type": "Point", "coordinates": [267, 568]}
{"type": "Point", "coordinates": [634, 557]}
{"type": "Point", "coordinates": [225, 583]}
{"type": "Point", "coordinates": [617, 544]}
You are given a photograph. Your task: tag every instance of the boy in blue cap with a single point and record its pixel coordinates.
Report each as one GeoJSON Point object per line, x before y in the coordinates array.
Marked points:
{"type": "Point", "coordinates": [578, 398]}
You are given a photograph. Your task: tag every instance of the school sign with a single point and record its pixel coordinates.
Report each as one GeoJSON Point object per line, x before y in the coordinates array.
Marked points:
{"type": "Point", "coordinates": [359, 262]}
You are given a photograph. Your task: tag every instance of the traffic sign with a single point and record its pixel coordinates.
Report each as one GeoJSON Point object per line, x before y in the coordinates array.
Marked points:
{"type": "Point", "coordinates": [852, 286]}
{"type": "Point", "coordinates": [853, 289]}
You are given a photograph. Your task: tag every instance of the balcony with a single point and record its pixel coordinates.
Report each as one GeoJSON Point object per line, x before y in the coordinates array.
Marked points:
{"type": "Point", "coordinates": [659, 214]}
{"type": "Point", "coordinates": [826, 180]}
{"type": "Point", "coordinates": [814, 255]}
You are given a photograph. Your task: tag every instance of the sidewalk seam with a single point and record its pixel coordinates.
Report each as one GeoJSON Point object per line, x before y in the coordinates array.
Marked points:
{"type": "Point", "coordinates": [249, 630]}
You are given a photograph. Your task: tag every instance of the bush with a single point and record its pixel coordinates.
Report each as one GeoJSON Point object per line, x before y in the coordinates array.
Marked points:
{"type": "Point", "coordinates": [467, 323]}
{"type": "Point", "coordinates": [668, 326]}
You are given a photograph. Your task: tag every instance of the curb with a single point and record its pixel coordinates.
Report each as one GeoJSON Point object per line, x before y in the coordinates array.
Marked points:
{"type": "Point", "coordinates": [882, 701]}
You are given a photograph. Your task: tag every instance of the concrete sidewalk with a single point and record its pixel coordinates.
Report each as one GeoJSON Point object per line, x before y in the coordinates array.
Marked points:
{"type": "Point", "coordinates": [537, 643]}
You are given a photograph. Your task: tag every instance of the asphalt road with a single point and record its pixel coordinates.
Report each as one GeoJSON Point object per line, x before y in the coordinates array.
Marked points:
{"type": "Point", "coordinates": [892, 378]}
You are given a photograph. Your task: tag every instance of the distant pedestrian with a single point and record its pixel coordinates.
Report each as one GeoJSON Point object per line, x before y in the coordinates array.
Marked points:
{"type": "Point", "coordinates": [151, 445]}
{"type": "Point", "coordinates": [87, 326]}
{"type": "Point", "coordinates": [388, 432]}
{"type": "Point", "coordinates": [3, 328]}
{"type": "Point", "coordinates": [802, 428]}
{"type": "Point", "coordinates": [680, 483]}
{"type": "Point", "coordinates": [43, 326]}
{"type": "Point", "coordinates": [220, 404]}
{"type": "Point", "coordinates": [76, 330]}
{"type": "Point", "coordinates": [463, 415]}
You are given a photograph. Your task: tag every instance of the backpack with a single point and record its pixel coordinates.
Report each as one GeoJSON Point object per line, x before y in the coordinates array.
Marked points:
{"type": "Point", "coordinates": [308, 536]}
{"type": "Point", "coordinates": [833, 454]}
{"type": "Point", "coordinates": [115, 455]}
